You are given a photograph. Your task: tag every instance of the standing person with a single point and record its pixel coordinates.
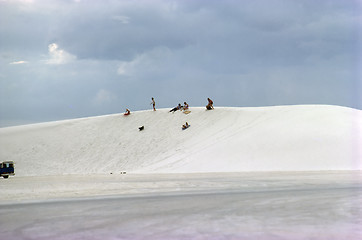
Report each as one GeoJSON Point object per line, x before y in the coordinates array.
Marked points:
{"type": "Point", "coordinates": [153, 104]}
{"type": "Point", "coordinates": [209, 106]}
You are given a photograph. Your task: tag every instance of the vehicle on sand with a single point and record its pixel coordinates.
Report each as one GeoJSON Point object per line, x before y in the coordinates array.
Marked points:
{"type": "Point", "coordinates": [7, 169]}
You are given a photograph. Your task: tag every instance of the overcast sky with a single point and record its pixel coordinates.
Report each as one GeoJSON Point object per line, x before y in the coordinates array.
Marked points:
{"type": "Point", "coordinates": [69, 59]}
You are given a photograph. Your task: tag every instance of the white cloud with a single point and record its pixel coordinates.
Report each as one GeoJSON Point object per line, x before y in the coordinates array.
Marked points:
{"type": "Point", "coordinates": [18, 1]}
{"type": "Point", "coordinates": [146, 62]}
{"type": "Point", "coordinates": [127, 68]}
{"type": "Point", "coordinates": [19, 62]}
{"type": "Point", "coordinates": [58, 56]}
{"type": "Point", "coordinates": [103, 97]}
{"type": "Point", "coordinates": [122, 19]}
{"type": "Point", "coordinates": [122, 69]}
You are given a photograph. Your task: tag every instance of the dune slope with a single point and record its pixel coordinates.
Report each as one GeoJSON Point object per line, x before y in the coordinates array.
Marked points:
{"type": "Point", "coordinates": [285, 138]}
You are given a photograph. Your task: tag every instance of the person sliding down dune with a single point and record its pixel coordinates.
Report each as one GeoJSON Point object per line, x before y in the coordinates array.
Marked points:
{"type": "Point", "coordinates": [185, 126]}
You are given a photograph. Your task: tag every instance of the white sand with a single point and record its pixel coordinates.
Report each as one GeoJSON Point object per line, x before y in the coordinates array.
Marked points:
{"type": "Point", "coordinates": [291, 172]}
{"type": "Point", "coordinates": [288, 138]}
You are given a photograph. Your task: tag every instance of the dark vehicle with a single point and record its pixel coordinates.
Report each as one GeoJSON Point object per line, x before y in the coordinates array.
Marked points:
{"type": "Point", "coordinates": [6, 169]}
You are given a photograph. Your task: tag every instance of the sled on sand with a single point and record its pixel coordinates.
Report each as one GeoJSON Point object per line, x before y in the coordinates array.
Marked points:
{"type": "Point", "coordinates": [186, 111]}
{"type": "Point", "coordinates": [184, 127]}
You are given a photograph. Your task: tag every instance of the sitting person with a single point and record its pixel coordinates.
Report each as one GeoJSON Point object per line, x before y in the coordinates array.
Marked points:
{"type": "Point", "coordinates": [186, 106]}
{"type": "Point", "coordinates": [186, 125]}
{"type": "Point", "coordinates": [128, 112]}
{"type": "Point", "coordinates": [209, 106]}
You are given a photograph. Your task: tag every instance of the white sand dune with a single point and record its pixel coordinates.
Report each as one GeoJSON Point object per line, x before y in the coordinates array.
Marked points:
{"type": "Point", "coordinates": [284, 138]}
{"type": "Point", "coordinates": [246, 199]}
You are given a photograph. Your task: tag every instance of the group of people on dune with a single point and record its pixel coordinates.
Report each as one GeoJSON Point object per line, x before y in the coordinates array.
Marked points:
{"type": "Point", "coordinates": [185, 108]}
{"type": "Point", "coordinates": [179, 107]}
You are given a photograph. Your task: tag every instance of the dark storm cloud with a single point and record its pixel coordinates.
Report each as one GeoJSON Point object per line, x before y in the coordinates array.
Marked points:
{"type": "Point", "coordinates": [65, 59]}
